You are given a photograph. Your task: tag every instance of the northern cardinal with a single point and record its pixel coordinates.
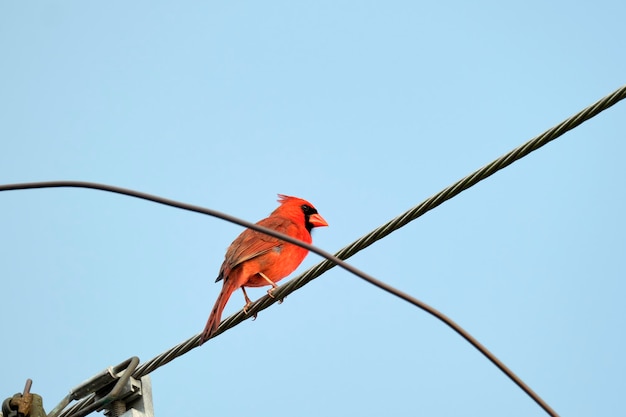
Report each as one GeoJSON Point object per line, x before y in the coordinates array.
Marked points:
{"type": "Point", "coordinates": [255, 259]}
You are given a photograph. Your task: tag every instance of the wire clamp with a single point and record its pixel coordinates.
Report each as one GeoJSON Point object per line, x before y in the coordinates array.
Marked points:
{"type": "Point", "coordinates": [109, 390]}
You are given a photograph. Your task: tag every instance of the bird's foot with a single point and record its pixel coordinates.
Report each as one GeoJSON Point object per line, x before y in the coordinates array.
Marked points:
{"type": "Point", "coordinates": [270, 292]}
{"type": "Point", "coordinates": [247, 307]}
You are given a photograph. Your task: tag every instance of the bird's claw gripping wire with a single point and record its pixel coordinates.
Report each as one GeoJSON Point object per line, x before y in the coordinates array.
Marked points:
{"type": "Point", "coordinates": [270, 292]}
{"type": "Point", "coordinates": [248, 303]}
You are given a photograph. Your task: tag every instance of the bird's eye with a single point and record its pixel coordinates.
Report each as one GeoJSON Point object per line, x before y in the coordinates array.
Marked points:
{"type": "Point", "coordinates": [307, 209]}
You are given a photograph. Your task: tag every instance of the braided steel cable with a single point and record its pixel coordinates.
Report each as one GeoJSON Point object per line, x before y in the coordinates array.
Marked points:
{"type": "Point", "coordinates": [396, 224]}
{"type": "Point", "coordinates": [79, 406]}
{"type": "Point", "coordinates": [358, 245]}
{"type": "Point", "coordinates": [446, 194]}
{"type": "Point", "coordinates": [463, 184]}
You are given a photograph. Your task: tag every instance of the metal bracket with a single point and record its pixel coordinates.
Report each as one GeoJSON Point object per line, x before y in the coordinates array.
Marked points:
{"type": "Point", "coordinates": [113, 390]}
{"type": "Point", "coordinates": [119, 376]}
{"type": "Point", "coordinates": [138, 402]}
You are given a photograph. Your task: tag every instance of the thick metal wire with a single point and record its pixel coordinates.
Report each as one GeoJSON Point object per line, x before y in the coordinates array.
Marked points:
{"type": "Point", "coordinates": [357, 246]}
{"type": "Point", "coordinates": [398, 222]}
{"type": "Point", "coordinates": [79, 406]}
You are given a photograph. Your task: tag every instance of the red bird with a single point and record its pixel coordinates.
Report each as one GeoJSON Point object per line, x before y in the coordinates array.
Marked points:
{"type": "Point", "coordinates": [255, 259]}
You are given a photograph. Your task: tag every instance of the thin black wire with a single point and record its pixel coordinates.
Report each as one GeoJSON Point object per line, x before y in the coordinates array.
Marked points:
{"type": "Point", "coordinates": [398, 222]}
{"type": "Point", "coordinates": [280, 293]}
{"type": "Point", "coordinates": [365, 241]}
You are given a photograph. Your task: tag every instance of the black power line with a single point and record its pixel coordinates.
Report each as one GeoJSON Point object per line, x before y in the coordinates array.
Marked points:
{"type": "Point", "coordinates": [350, 250]}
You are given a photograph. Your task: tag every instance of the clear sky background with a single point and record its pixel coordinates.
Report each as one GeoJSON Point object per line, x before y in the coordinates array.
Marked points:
{"type": "Point", "coordinates": [365, 109]}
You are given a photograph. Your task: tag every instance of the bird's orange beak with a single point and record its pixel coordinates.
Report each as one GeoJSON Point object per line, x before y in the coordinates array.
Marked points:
{"type": "Point", "coordinates": [317, 221]}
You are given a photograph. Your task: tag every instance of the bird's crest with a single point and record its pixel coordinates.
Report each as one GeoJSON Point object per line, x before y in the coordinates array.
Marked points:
{"type": "Point", "coordinates": [282, 198]}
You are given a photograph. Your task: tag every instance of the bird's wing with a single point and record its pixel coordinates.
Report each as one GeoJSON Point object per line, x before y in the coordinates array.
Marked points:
{"type": "Point", "coordinates": [252, 244]}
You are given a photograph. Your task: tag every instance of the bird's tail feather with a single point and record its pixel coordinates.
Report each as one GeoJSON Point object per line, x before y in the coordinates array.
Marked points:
{"type": "Point", "coordinates": [216, 314]}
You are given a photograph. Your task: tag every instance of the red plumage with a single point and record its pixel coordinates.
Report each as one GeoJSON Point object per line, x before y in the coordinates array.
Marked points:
{"type": "Point", "coordinates": [255, 259]}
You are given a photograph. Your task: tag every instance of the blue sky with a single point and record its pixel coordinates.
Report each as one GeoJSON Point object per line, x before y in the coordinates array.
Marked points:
{"type": "Point", "coordinates": [363, 108]}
